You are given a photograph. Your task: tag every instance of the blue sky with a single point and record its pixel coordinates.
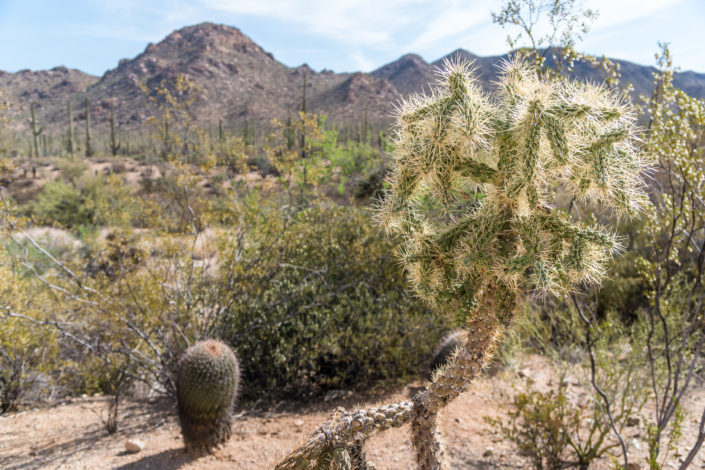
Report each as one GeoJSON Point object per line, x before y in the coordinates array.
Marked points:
{"type": "Point", "coordinates": [343, 35]}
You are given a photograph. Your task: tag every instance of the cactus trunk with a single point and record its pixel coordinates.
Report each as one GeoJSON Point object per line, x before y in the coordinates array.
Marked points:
{"type": "Point", "coordinates": [483, 333]}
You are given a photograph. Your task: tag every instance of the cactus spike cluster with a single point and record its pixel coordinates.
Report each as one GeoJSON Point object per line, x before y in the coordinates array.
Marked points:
{"type": "Point", "coordinates": [206, 389]}
{"type": "Point", "coordinates": [475, 183]}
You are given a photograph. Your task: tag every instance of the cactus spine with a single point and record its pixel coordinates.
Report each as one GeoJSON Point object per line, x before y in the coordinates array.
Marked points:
{"type": "Point", "coordinates": [36, 132]}
{"type": "Point", "coordinates": [69, 131]}
{"type": "Point", "coordinates": [206, 389]}
{"type": "Point", "coordinates": [89, 146]}
{"type": "Point", "coordinates": [114, 144]}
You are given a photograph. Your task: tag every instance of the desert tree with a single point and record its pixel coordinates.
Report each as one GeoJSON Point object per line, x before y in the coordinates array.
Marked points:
{"type": "Point", "coordinates": [474, 193]}
{"type": "Point", "coordinates": [172, 104]}
{"type": "Point", "coordinates": [547, 32]}
{"type": "Point", "coordinates": [672, 264]}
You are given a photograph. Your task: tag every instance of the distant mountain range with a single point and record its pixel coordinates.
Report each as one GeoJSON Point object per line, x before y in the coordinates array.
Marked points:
{"type": "Point", "coordinates": [240, 81]}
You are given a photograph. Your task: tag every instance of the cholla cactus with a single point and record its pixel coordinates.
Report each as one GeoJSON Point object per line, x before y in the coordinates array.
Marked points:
{"type": "Point", "coordinates": [475, 188]}
{"type": "Point", "coordinates": [541, 139]}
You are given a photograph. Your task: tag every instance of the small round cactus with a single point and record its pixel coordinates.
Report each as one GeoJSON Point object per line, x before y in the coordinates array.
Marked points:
{"type": "Point", "coordinates": [443, 354]}
{"type": "Point", "coordinates": [206, 389]}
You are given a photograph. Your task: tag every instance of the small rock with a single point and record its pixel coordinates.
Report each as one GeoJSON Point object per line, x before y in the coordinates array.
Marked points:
{"type": "Point", "coordinates": [298, 423]}
{"type": "Point", "coordinates": [134, 445]}
{"type": "Point", "coordinates": [633, 466]}
{"type": "Point", "coordinates": [488, 452]}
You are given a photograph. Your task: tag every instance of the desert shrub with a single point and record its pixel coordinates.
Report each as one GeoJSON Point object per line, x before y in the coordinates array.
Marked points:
{"type": "Point", "coordinates": [539, 424]}
{"type": "Point", "coordinates": [62, 203]}
{"type": "Point", "coordinates": [329, 310]}
{"type": "Point", "coordinates": [25, 351]}
{"type": "Point", "coordinates": [175, 203]}
{"type": "Point", "coordinates": [554, 431]}
{"type": "Point", "coordinates": [310, 298]}
{"type": "Point", "coordinates": [72, 168]}
{"type": "Point", "coordinates": [90, 200]}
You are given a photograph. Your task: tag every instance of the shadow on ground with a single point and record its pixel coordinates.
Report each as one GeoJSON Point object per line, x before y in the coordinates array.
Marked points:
{"type": "Point", "coordinates": [142, 416]}
{"type": "Point", "coordinates": [172, 459]}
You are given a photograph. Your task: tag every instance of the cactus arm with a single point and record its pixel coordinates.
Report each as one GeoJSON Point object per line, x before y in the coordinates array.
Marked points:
{"type": "Point", "coordinates": [346, 430]}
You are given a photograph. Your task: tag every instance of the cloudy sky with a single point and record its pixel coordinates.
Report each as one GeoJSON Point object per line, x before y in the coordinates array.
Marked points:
{"type": "Point", "coordinates": [343, 35]}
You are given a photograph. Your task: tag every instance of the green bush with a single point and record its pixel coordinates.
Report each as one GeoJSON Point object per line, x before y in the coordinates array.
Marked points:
{"type": "Point", "coordinates": [540, 424]}
{"type": "Point", "coordinates": [329, 310]}
{"type": "Point", "coordinates": [63, 204]}
{"type": "Point", "coordinates": [89, 201]}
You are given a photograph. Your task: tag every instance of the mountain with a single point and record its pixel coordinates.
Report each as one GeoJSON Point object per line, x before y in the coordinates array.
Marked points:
{"type": "Point", "coordinates": [409, 74]}
{"type": "Point", "coordinates": [640, 76]}
{"type": "Point", "coordinates": [238, 80]}
{"type": "Point", "coordinates": [49, 89]}
{"type": "Point", "coordinates": [241, 81]}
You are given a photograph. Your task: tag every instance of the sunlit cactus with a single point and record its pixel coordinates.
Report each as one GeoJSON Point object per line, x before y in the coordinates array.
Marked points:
{"type": "Point", "coordinates": [475, 193]}
{"type": "Point", "coordinates": [480, 194]}
{"type": "Point", "coordinates": [475, 185]}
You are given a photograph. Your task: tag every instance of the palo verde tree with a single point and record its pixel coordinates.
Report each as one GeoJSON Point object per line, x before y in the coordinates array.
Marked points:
{"type": "Point", "coordinates": [475, 191]}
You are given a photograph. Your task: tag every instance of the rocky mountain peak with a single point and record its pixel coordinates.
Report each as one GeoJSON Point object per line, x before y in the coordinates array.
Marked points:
{"type": "Point", "coordinates": [239, 80]}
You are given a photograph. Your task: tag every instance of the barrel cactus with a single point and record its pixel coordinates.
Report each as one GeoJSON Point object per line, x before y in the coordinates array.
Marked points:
{"type": "Point", "coordinates": [443, 354]}
{"type": "Point", "coordinates": [206, 389]}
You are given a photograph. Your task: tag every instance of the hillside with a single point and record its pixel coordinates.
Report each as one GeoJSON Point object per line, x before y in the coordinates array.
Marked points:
{"type": "Point", "coordinates": [241, 81]}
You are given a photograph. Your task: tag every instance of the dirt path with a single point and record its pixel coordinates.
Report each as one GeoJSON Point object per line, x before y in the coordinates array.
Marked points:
{"type": "Point", "coordinates": [71, 436]}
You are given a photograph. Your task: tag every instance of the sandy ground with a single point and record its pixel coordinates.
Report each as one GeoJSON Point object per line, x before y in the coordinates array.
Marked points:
{"type": "Point", "coordinates": [70, 435]}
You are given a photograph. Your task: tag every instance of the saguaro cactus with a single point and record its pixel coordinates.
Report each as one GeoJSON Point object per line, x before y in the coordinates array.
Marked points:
{"type": "Point", "coordinates": [114, 143]}
{"type": "Point", "coordinates": [475, 193]}
{"type": "Point", "coordinates": [36, 130]}
{"type": "Point", "coordinates": [89, 145]}
{"type": "Point", "coordinates": [69, 131]}
{"type": "Point", "coordinates": [206, 389]}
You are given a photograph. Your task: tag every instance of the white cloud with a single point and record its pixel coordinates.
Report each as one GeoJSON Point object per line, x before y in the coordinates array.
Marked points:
{"type": "Point", "coordinates": [356, 22]}
{"type": "Point", "coordinates": [362, 63]}
{"type": "Point", "coordinates": [617, 12]}
{"type": "Point", "coordinates": [453, 18]}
